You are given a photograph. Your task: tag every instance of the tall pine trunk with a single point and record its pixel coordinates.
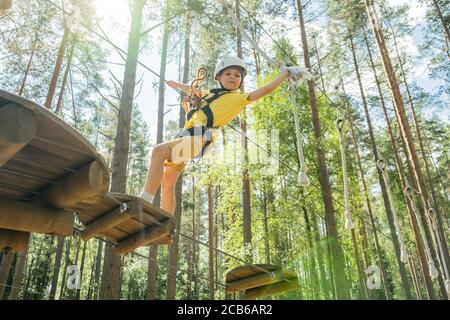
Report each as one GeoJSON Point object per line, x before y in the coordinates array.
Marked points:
{"type": "Point", "coordinates": [337, 256]}
{"type": "Point", "coordinates": [174, 248]}
{"type": "Point", "coordinates": [58, 64]}
{"type": "Point", "coordinates": [246, 205]}
{"type": "Point", "coordinates": [110, 289]}
{"type": "Point", "coordinates": [153, 249]}
{"type": "Point", "coordinates": [57, 268]}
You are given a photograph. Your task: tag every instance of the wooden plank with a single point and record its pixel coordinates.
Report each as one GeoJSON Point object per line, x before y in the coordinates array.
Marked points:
{"type": "Point", "coordinates": [11, 240]}
{"type": "Point", "coordinates": [271, 289]}
{"type": "Point", "coordinates": [24, 216]}
{"type": "Point", "coordinates": [250, 270]}
{"type": "Point", "coordinates": [144, 237]}
{"type": "Point", "coordinates": [17, 128]}
{"type": "Point", "coordinates": [255, 281]}
{"type": "Point", "coordinates": [71, 190]}
{"type": "Point", "coordinates": [112, 219]}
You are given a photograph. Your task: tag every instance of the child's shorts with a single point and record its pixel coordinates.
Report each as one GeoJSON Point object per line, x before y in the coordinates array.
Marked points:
{"type": "Point", "coordinates": [187, 148]}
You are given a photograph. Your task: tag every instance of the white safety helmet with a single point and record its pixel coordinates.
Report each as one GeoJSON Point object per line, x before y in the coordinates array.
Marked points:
{"type": "Point", "coordinates": [230, 62]}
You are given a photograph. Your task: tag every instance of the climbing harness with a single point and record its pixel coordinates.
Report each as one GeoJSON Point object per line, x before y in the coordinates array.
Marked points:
{"type": "Point", "coordinates": [348, 216]}
{"type": "Point", "coordinates": [403, 252]}
{"type": "Point", "coordinates": [196, 102]}
{"type": "Point", "coordinates": [300, 75]}
{"type": "Point", "coordinates": [409, 195]}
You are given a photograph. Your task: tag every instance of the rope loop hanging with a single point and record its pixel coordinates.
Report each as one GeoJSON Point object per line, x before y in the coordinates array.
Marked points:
{"type": "Point", "coordinates": [431, 215]}
{"type": "Point", "coordinates": [403, 251]}
{"type": "Point", "coordinates": [408, 190]}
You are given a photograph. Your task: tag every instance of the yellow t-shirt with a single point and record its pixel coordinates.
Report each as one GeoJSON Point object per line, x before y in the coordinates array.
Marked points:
{"type": "Point", "coordinates": [225, 109]}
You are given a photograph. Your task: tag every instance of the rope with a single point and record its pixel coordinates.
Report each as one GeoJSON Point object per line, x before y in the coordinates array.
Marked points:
{"type": "Point", "coordinates": [348, 216]}
{"type": "Point", "coordinates": [432, 269]}
{"type": "Point", "coordinates": [403, 252]}
{"type": "Point", "coordinates": [435, 234]}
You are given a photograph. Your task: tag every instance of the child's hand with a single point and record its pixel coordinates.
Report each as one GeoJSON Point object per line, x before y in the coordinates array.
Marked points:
{"type": "Point", "coordinates": [298, 73]}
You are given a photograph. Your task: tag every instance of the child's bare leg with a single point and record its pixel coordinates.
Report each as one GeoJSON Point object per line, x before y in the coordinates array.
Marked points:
{"type": "Point", "coordinates": [160, 153]}
{"type": "Point", "coordinates": [169, 181]}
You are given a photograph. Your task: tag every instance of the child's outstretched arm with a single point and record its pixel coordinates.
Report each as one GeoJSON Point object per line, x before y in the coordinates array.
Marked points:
{"type": "Point", "coordinates": [177, 85]}
{"type": "Point", "coordinates": [295, 73]}
{"type": "Point", "coordinates": [263, 91]}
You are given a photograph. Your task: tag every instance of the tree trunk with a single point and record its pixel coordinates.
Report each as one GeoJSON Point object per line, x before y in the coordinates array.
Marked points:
{"type": "Point", "coordinates": [58, 258]}
{"type": "Point", "coordinates": [153, 250]}
{"type": "Point", "coordinates": [111, 272]}
{"type": "Point", "coordinates": [312, 265]}
{"type": "Point", "coordinates": [359, 268]}
{"type": "Point", "coordinates": [5, 267]}
{"type": "Point", "coordinates": [19, 272]}
{"type": "Point", "coordinates": [404, 125]}
{"type": "Point", "coordinates": [83, 259]}
{"type": "Point", "coordinates": [27, 70]}
{"type": "Point", "coordinates": [211, 242]}
{"type": "Point", "coordinates": [57, 69]}
{"type": "Point", "coordinates": [98, 263]}
{"type": "Point", "coordinates": [174, 248]}
{"type": "Point", "coordinates": [337, 257]}
{"type": "Point", "coordinates": [444, 23]}
{"type": "Point", "coordinates": [387, 206]}
{"type": "Point", "coordinates": [66, 73]}
{"type": "Point", "coordinates": [246, 205]}
{"type": "Point", "coordinates": [413, 221]}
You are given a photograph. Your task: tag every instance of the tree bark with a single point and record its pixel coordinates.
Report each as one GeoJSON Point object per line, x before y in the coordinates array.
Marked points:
{"type": "Point", "coordinates": [337, 257]}
{"type": "Point", "coordinates": [57, 268]}
{"type": "Point", "coordinates": [112, 266]}
{"type": "Point", "coordinates": [27, 70]}
{"type": "Point", "coordinates": [211, 242]}
{"type": "Point", "coordinates": [174, 248]}
{"type": "Point", "coordinates": [153, 249]}
{"type": "Point", "coordinates": [57, 69]}
{"type": "Point", "coordinates": [19, 272]}
{"type": "Point", "coordinates": [66, 74]}
{"type": "Point", "coordinates": [312, 264]}
{"type": "Point", "coordinates": [5, 267]}
{"type": "Point", "coordinates": [246, 205]}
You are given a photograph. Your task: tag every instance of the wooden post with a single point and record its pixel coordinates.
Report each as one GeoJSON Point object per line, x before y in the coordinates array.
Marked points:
{"type": "Point", "coordinates": [17, 129]}
{"type": "Point", "coordinates": [11, 240]}
{"type": "Point", "coordinates": [78, 186]}
{"type": "Point", "coordinates": [146, 236]}
{"type": "Point", "coordinates": [27, 217]}
{"type": "Point", "coordinates": [258, 280]}
{"type": "Point", "coordinates": [271, 289]}
{"type": "Point", "coordinates": [112, 219]}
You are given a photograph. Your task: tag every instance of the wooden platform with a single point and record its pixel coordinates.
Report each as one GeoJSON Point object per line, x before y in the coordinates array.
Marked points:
{"type": "Point", "coordinates": [48, 171]}
{"type": "Point", "coordinates": [132, 225]}
{"type": "Point", "coordinates": [260, 280]}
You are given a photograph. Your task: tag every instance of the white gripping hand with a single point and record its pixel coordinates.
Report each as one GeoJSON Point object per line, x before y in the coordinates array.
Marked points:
{"type": "Point", "coordinates": [297, 74]}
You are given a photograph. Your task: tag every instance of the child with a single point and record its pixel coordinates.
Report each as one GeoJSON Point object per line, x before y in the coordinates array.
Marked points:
{"type": "Point", "coordinates": [218, 108]}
